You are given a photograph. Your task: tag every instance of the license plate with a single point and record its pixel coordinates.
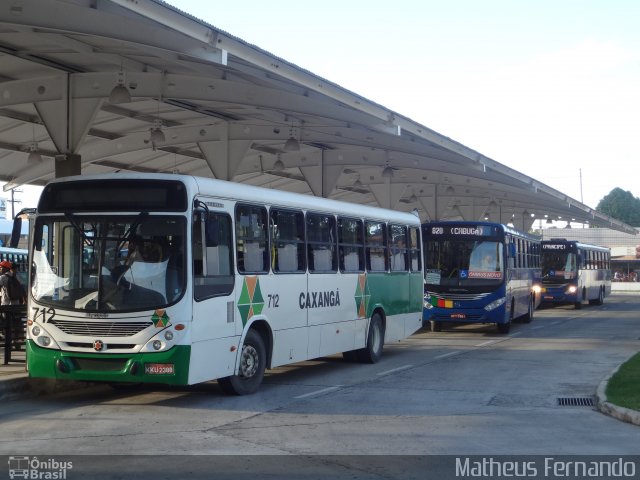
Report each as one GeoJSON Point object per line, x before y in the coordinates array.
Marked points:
{"type": "Point", "coordinates": [458, 315]}
{"type": "Point", "coordinates": [159, 368]}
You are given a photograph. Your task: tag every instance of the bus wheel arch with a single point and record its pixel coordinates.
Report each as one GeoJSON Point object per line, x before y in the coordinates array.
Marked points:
{"type": "Point", "coordinates": [264, 329]}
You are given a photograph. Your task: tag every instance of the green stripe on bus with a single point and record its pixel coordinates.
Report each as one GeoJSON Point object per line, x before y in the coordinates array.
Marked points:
{"type": "Point", "coordinates": [395, 292]}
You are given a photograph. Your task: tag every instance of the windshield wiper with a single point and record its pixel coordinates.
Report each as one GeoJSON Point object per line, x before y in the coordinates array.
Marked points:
{"type": "Point", "coordinates": [76, 225]}
{"type": "Point", "coordinates": [132, 228]}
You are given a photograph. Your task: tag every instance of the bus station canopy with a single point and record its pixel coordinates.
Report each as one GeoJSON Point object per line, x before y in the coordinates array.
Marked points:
{"type": "Point", "coordinates": [92, 86]}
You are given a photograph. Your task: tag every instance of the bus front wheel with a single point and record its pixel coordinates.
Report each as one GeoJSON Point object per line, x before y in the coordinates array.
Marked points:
{"type": "Point", "coordinates": [253, 360]}
{"type": "Point", "coordinates": [530, 309]}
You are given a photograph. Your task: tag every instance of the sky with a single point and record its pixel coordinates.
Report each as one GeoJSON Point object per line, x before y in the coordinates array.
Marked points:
{"type": "Point", "coordinates": [550, 88]}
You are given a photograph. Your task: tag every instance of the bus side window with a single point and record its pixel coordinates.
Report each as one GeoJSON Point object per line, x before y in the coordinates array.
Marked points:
{"type": "Point", "coordinates": [414, 249]}
{"type": "Point", "coordinates": [252, 242]}
{"type": "Point", "coordinates": [351, 245]}
{"type": "Point", "coordinates": [212, 258]}
{"type": "Point", "coordinates": [376, 247]}
{"type": "Point", "coordinates": [287, 241]}
{"type": "Point", "coordinates": [321, 243]}
{"type": "Point", "coordinates": [398, 248]}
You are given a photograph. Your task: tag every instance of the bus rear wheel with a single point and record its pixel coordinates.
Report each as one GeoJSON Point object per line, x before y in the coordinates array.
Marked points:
{"type": "Point", "coordinates": [599, 300]}
{"type": "Point", "coordinates": [375, 341]}
{"type": "Point", "coordinates": [253, 360]}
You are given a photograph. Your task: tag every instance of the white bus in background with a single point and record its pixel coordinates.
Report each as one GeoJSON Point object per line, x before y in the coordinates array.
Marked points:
{"type": "Point", "coordinates": [180, 280]}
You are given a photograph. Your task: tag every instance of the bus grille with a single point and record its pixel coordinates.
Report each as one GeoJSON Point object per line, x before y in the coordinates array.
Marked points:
{"type": "Point", "coordinates": [101, 329]}
{"type": "Point", "coordinates": [110, 346]}
{"type": "Point", "coordinates": [100, 364]}
{"type": "Point", "coordinates": [458, 296]}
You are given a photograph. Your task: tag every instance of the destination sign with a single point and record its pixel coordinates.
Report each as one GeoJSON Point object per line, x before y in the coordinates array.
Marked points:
{"type": "Point", "coordinates": [461, 230]}
{"type": "Point", "coordinates": [554, 246]}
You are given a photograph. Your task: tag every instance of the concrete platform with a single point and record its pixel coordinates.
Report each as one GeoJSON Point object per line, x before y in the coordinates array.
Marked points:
{"type": "Point", "coordinates": [16, 383]}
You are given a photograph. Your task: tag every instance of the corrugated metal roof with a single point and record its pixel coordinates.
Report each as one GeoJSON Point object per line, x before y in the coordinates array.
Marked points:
{"type": "Point", "coordinates": [226, 109]}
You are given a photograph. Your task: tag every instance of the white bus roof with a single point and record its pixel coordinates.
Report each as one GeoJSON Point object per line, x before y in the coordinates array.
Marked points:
{"type": "Point", "coordinates": [247, 193]}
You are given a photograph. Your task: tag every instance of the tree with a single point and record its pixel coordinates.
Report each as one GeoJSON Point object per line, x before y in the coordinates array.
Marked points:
{"type": "Point", "coordinates": [622, 206]}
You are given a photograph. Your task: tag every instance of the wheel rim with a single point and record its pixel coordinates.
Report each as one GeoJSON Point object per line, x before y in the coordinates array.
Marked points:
{"type": "Point", "coordinates": [249, 361]}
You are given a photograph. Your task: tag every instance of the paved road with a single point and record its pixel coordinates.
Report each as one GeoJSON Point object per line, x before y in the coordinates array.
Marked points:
{"type": "Point", "coordinates": [462, 391]}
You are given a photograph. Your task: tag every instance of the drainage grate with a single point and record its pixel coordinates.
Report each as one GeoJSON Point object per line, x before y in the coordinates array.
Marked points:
{"type": "Point", "coordinates": [576, 401]}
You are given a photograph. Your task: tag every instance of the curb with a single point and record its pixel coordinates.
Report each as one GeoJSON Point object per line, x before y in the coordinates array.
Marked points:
{"type": "Point", "coordinates": [615, 411]}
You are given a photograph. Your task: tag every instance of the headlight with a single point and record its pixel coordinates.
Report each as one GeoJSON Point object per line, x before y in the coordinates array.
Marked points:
{"type": "Point", "coordinates": [44, 341]}
{"type": "Point", "coordinates": [537, 288]}
{"type": "Point", "coordinates": [168, 335]}
{"type": "Point", "coordinates": [495, 304]}
{"type": "Point", "coordinates": [427, 302]}
{"type": "Point", "coordinates": [157, 344]}
{"type": "Point", "coordinates": [572, 289]}
{"type": "Point", "coordinates": [35, 331]}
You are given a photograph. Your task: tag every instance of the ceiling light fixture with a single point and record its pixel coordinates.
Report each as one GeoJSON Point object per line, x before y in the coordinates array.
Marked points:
{"type": "Point", "coordinates": [157, 135]}
{"type": "Point", "coordinates": [34, 157]}
{"type": "Point", "coordinates": [278, 166]}
{"type": "Point", "coordinates": [120, 93]}
{"type": "Point", "coordinates": [292, 144]}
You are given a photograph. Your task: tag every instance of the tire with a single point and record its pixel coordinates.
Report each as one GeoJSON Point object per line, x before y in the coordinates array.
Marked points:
{"type": "Point", "coordinates": [601, 297]}
{"type": "Point", "coordinates": [375, 341]}
{"type": "Point", "coordinates": [253, 361]}
{"type": "Point", "coordinates": [504, 327]}
{"type": "Point", "coordinates": [599, 300]}
{"type": "Point", "coordinates": [436, 326]}
{"type": "Point", "coordinates": [529, 315]}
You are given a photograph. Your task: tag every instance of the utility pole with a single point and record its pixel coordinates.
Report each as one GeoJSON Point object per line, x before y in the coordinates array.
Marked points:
{"type": "Point", "coordinates": [14, 201]}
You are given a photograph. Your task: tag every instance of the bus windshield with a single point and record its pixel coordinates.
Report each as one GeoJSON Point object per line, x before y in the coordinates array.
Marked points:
{"type": "Point", "coordinates": [464, 263]}
{"type": "Point", "coordinates": [108, 263]}
{"type": "Point", "coordinates": [559, 265]}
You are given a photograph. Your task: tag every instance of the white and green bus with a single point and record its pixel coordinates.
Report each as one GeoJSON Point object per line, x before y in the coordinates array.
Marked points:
{"type": "Point", "coordinates": [179, 280]}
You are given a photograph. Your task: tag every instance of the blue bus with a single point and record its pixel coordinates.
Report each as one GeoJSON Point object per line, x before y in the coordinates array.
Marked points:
{"type": "Point", "coordinates": [479, 272]}
{"type": "Point", "coordinates": [574, 272]}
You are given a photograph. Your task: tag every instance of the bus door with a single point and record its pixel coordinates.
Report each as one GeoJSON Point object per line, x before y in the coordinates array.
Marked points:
{"type": "Point", "coordinates": [214, 316]}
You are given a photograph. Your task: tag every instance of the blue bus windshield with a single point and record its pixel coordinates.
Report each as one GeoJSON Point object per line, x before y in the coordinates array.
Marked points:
{"type": "Point", "coordinates": [559, 265]}
{"type": "Point", "coordinates": [457, 262]}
